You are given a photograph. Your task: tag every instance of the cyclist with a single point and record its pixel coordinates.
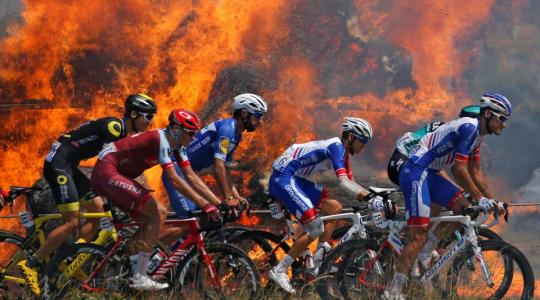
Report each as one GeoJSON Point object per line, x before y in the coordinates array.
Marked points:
{"type": "Point", "coordinates": [302, 197]}
{"type": "Point", "coordinates": [213, 147]}
{"type": "Point", "coordinates": [406, 144]}
{"type": "Point", "coordinates": [455, 144]}
{"type": "Point", "coordinates": [70, 187]}
{"type": "Point", "coordinates": [122, 161]}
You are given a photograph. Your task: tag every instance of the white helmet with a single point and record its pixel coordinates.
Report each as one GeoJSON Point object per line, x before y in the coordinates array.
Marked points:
{"type": "Point", "coordinates": [250, 102]}
{"type": "Point", "coordinates": [359, 127]}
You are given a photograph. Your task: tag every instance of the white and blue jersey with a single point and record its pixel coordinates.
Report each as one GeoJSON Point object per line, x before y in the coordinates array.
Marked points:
{"type": "Point", "coordinates": [216, 140]}
{"type": "Point", "coordinates": [458, 140]}
{"type": "Point", "coordinates": [289, 180]}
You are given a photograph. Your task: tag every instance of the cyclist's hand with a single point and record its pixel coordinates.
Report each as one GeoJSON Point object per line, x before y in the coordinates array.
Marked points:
{"type": "Point", "coordinates": [500, 208]}
{"type": "Point", "coordinates": [234, 208]}
{"type": "Point", "coordinates": [376, 203]}
{"type": "Point", "coordinates": [486, 204]}
{"type": "Point", "coordinates": [211, 211]}
{"type": "Point", "coordinates": [244, 203]}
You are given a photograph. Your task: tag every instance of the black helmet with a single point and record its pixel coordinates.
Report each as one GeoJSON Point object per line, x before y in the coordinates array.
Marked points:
{"type": "Point", "coordinates": [140, 103]}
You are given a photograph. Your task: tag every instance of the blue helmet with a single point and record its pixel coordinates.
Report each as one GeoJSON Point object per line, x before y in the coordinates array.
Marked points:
{"type": "Point", "coordinates": [497, 103]}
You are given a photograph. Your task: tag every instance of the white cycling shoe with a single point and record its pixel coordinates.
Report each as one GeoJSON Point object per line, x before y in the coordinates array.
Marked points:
{"type": "Point", "coordinates": [143, 282]}
{"type": "Point", "coordinates": [387, 295]}
{"type": "Point", "coordinates": [282, 279]}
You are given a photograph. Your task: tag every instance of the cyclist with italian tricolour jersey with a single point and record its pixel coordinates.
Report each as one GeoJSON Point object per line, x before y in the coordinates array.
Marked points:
{"type": "Point", "coordinates": [455, 144]}
{"type": "Point", "coordinates": [290, 184]}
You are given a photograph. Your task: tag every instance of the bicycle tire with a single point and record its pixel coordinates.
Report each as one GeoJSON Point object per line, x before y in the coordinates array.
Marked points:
{"type": "Point", "coordinates": [337, 266]}
{"type": "Point", "coordinates": [509, 280]}
{"type": "Point", "coordinates": [111, 278]}
{"type": "Point", "coordinates": [188, 278]}
{"type": "Point", "coordinates": [10, 243]}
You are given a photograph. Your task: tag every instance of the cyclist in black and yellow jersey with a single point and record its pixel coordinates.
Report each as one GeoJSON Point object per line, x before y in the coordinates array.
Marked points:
{"type": "Point", "coordinates": [70, 187]}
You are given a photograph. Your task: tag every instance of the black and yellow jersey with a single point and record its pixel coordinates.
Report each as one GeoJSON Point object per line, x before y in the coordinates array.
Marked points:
{"type": "Point", "coordinates": [87, 140]}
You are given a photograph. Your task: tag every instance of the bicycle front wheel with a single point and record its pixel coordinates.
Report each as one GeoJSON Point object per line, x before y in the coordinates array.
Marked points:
{"type": "Point", "coordinates": [509, 280]}
{"type": "Point", "coordinates": [236, 273]}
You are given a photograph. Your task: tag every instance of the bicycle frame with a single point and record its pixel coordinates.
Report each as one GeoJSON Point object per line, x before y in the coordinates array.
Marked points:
{"type": "Point", "coordinates": [194, 239]}
{"type": "Point", "coordinates": [470, 238]}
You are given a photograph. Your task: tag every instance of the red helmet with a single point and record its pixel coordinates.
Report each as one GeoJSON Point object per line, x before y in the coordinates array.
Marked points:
{"type": "Point", "coordinates": [188, 120]}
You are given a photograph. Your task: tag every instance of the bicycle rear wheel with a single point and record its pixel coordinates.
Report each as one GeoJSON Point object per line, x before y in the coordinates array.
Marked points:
{"type": "Point", "coordinates": [349, 272]}
{"type": "Point", "coordinates": [238, 276]}
{"type": "Point", "coordinates": [110, 279]}
{"type": "Point", "coordinates": [514, 280]}
{"type": "Point", "coordinates": [11, 244]}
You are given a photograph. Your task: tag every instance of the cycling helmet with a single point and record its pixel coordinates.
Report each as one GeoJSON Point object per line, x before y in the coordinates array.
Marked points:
{"type": "Point", "coordinates": [359, 127]}
{"type": "Point", "coordinates": [140, 103]}
{"type": "Point", "coordinates": [497, 103]}
{"type": "Point", "coordinates": [186, 119]}
{"type": "Point", "coordinates": [471, 111]}
{"type": "Point", "coordinates": [252, 103]}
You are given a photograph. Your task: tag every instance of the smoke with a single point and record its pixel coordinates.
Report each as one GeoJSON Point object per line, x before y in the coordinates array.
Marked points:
{"type": "Point", "coordinates": [10, 16]}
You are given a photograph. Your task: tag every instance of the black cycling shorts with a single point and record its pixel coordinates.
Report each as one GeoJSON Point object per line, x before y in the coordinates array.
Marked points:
{"type": "Point", "coordinates": [395, 164]}
{"type": "Point", "coordinates": [69, 185]}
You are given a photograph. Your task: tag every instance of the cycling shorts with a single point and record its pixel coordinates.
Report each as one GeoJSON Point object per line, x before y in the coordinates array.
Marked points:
{"type": "Point", "coordinates": [180, 203]}
{"type": "Point", "coordinates": [395, 164]}
{"type": "Point", "coordinates": [69, 185]}
{"type": "Point", "coordinates": [300, 196]}
{"type": "Point", "coordinates": [422, 186]}
{"type": "Point", "coordinates": [123, 192]}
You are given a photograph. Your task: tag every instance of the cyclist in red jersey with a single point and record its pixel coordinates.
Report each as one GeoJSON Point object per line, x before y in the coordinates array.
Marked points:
{"type": "Point", "coordinates": [122, 161]}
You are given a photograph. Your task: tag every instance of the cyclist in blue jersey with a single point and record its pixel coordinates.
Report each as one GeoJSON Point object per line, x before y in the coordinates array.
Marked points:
{"type": "Point", "coordinates": [302, 197]}
{"type": "Point", "coordinates": [455, 144]}
{"type": "Point", "coordinates": [214, 146]}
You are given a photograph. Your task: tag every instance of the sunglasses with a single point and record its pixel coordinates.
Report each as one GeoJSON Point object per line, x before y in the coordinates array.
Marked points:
{"type": "Point", "coordinates": [190, 133]}
{"type": "Point", "coordinates": [502, 118]}
{"type": "Point", "coordinates": [257, 115]}
{"type": "Point", "coordinates": [147, 117]}
{"type": "Point", "coordinates": [362, 139]}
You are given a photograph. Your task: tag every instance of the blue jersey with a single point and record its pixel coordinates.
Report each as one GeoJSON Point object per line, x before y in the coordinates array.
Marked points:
{"type": "Point", "coordinates": [314, 157]}
{"type": "Point", "coordinates": [457, 140]}
{"type": "Point", "coordinates": [216, 140]}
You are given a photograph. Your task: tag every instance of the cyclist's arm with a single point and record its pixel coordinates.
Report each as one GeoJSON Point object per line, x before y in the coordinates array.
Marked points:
{"type": "Point", "coordinates": [464, 179]}
{"type": "Point", "coordinates": [352, 188]}
{"type": "Point", "coordinates": [464, 139]}
{"type": "Point", "coordinates": [336, 152]}
{"type": "Point", "coordinates": [479, 178]}
{"type": "Point", "coordinates": [222, 178]}
{"type": "Point", "coordinates": [198, 184]}
{"type": "Point", "coordinates": [183, 187]}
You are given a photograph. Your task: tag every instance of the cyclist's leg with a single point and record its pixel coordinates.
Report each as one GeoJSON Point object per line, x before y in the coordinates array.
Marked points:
{"type": "Point", "coordinates": [91, 203]}
{"type": "Point", "coordinates": [414, 184]}
{"type": "Point", "coordinates": [328, 207]}
{"type": "Point", "coordinates": [181, 205]}
{"type": "Point", "coordinates": [287, 190]}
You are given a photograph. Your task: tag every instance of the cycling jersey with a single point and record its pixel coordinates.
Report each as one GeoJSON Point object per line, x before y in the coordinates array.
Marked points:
{"type": "Point", "coordinates": [410, 141]}
{"type": "Point", "coordinates": [419, 179]}
{"type": "Point", "coordinates": [303, 160]}
{"type": "Point", "coordinates": [288, 182]}
{"type": "Point", "coordinates": [405, 146]}
{"type": "Point", "coordinates": [122, 161]}
{"type": "Point", "coordinates": [68, 184]}
{"type": "Point", "coordinates": [216, 140]}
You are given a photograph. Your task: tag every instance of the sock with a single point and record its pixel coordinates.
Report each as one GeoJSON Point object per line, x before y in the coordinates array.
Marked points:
{"type": "Point", "coordinates": [139, 263]}
{"type": "Point", "coordinates": [322, 249]}
{"type": "Point", "coordinates": [284, 264]}
{"type": "Point", "coordinates": [397, 283]}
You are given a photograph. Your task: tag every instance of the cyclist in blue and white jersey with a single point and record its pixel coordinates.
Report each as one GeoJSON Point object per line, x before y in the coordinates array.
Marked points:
{"type": "Point", "coordinates": [214, 146]}
{"type": "Point", "coordinates": [301, 197]}
{"type": "Point", "coordinates": [455, 144]}
{"type": "Point", "coordinates": [408, 142]}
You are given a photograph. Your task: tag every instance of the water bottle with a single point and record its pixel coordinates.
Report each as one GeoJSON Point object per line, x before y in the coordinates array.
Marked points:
{"type": "Point", "coordinates": [275, 209]}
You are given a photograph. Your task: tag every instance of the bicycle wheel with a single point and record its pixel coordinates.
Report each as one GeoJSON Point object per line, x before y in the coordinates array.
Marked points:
{"type": "Point", "coordinates": [11, 244]}
{"type": "Point", "coordinates": [514, 280]}
{"type": "Point", "coordinates": [238, 276]}
{"type": "Point", "coordinates": [110, 279]}
{"type": "Point", "coordinates": [349, 272]}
